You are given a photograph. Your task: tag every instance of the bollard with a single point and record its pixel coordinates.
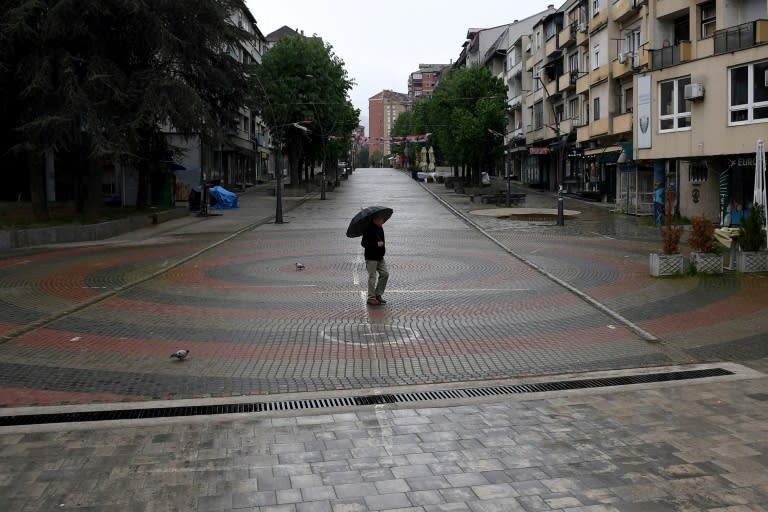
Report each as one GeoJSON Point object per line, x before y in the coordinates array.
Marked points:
{"type": "Point", "coordinates": [560, 216]}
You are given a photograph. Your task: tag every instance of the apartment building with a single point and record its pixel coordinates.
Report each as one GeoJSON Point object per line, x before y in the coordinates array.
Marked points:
{"type": "Point", "coordinates": [421, 83]}
{"type": "Point", "coordinates": [383, 109]}
{"type": "Point", "coordinates": [242, 156]}
{"type": "Point", "coordinates": [629, 98]}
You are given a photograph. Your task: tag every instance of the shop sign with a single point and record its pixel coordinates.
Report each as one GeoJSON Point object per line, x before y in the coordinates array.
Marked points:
{"type": "Point", "coordinates": [538, 151]}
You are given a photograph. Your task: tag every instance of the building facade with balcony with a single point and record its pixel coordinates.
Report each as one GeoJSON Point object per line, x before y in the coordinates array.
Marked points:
{"type": "Point", "coordinates": [383, 109]}
{"type": "Point", "coordinates": [242, 155]}
{"type": "Point", "coordinates": [702, 103]}
{"type": "Point", "coordinates": [421, 83]}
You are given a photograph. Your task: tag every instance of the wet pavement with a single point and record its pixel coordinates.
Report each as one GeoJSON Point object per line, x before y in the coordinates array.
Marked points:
{"type": "Point", "coordinates": [472, 299]}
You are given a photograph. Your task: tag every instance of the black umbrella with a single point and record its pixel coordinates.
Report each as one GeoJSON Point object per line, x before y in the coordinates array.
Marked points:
{"type": "Point", "coordinates": [362, 220]}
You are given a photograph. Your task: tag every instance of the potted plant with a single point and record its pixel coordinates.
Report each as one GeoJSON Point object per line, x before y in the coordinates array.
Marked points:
{"type": "Point", "coordinates": [670, 261]}
{"type": "Point", "coordinates": [752, 257]}
{"type": "Point", "coordinates": [701, 238]}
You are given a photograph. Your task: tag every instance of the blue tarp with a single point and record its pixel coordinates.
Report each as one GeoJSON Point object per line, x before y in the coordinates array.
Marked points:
{"type": "Point", "coordinates": [222, 198]}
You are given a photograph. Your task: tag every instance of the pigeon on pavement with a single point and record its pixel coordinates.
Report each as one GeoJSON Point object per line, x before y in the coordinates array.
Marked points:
{"type": "Point", "coordinates": [299, 266]}
{"type": "Point", "coordinates": [181, 354]}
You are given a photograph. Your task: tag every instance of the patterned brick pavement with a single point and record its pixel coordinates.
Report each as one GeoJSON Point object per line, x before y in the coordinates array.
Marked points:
{"type": "Point", "coordinates": [82, 323]}
{"type": "Point", "coordinates": [461, 307]}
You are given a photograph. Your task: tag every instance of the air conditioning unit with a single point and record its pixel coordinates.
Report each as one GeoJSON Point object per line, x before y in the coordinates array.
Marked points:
{"type": "Point", "coordinates": [622, 58]}
{"type": "Point", "coordinates": [582, 27]}
{"type": "Point", "coordinates": [694, 92]}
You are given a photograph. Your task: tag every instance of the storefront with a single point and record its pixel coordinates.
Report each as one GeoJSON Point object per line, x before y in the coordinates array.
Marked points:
{"type": "Point", "coordinates": [737, 187]}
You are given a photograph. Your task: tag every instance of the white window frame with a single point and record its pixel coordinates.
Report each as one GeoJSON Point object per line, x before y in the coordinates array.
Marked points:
{"type": "Point", "coordinates": [595, 56]}
{"type": "Point", "coordinates": [750, 105]}
{"type": "Point", "coordinates": [595, 7]}
{"type": "Point", "coordinates": [573, 110]}
{"type": "Point", "coordinates": [709, 23]}
{"type": "Point", "coordinates": [676, 114]}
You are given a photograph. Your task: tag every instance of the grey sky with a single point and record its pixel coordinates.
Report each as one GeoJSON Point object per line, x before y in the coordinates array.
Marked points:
{"type": "Point", "coordinates": [381, 44]}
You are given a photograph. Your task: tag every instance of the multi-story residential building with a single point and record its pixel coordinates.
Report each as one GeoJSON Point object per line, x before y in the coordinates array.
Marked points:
{"type": "Point", "coordinates": [242, 156]}
{"type": "Point", "coordinates": [421, 83]}
{"type": "Point", "coordinates": [621, 102]}
{"type": "Point", "coordinates": [383, 109]}
{"type": "Point", "coordinates": [702, 102]}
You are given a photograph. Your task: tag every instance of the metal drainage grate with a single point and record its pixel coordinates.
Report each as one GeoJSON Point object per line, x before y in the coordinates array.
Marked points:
{"type": "Point", "coordinates": [323, 403]}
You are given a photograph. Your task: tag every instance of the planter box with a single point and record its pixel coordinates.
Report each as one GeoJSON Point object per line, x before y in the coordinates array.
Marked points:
{"type": "Point", "coordinates": [666, 264]}
{"type": "Point", "coordinates": [707, 263]}
{"type": "Point", "coordinates": [747, 261]}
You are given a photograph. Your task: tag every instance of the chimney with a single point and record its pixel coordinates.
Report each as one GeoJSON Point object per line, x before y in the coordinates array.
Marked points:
{"type": "Point", "coordinates": [550, 6]}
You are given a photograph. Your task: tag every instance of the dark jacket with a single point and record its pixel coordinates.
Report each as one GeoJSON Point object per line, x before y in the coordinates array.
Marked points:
{"type": "Point", "coordinates": [371, 237]}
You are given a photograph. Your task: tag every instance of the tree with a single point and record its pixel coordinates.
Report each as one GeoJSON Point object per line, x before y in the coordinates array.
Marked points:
{"type": "Point", "coordinates": [465, 104]}
{"type": "Point", "coordinates": [98, 78]}
{"type": "Point", "coordinates": [300, 78]}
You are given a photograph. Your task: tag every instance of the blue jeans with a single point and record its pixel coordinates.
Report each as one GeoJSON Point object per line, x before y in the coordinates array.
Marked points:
{"type": "Point", "coordinates": [376, 287]}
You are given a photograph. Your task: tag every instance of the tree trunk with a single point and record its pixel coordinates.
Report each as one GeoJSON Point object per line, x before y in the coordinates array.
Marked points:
{"type": "Point", "coordinates": [37, 192]}
{"type": "Point", "coordinates": [93, 189]}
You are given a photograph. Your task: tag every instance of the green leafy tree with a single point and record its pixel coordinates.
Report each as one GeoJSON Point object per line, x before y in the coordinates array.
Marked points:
{"type": "Point", "coordinates": [299, 79]}
{"type": "Point", "coordinates": [465, 105]}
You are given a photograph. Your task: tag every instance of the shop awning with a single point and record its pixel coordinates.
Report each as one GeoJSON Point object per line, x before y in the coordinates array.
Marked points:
{"type": "Point", "coordinates": [598, 151]}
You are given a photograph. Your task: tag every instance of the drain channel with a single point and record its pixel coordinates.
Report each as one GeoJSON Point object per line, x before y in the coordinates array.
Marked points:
{"type": "Point", "coordinates": [354, 401]}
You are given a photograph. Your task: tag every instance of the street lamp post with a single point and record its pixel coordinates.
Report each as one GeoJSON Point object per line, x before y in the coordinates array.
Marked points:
{"type": "Point", "coordinates": [559, 163]}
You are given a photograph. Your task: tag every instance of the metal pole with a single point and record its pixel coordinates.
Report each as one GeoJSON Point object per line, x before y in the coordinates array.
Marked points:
{"type": "Point", "coordinates": [509, 182]}
{"type": "Point", "coordinates": [279, 186]}
{"type": "Point", "coordinates": [560, 217]}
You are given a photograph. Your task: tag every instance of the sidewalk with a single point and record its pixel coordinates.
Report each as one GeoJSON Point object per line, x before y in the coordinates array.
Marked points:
{"type": "Point", "coordinates": [461, 305]}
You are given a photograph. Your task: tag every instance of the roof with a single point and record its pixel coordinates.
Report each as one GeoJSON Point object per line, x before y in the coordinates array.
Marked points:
{"type": "Point", "coordinates": [284, 31]}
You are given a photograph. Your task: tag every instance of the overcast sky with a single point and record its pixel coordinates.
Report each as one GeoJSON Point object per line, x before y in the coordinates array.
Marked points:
{"type": "Point", "coordinates": [381, 44]}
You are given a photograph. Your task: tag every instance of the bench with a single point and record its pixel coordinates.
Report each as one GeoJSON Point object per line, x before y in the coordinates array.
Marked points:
{"type": "Point", "coordinates": [500, 198]}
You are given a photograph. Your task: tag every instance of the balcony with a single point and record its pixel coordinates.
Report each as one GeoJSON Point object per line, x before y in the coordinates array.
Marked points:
{"type": "Point", "coordinates": [582, 36]}
{"type": "Point", "coordinates": [529, 135]}
{"type": "Point", "coordinates": [566, 81]}
{"type": "Point", "coordinates": [551, 46]}
{"type": "Point", "coordinates": [515, 103]}
{"type": "Point", "coordinates": [582, 133]}
{"type": "Point", "coordinates": [567, 36]}
{"type": "Point", "coordinates": [670, 56]}
{"type": "Point", "coordinates": [741, 36]}
{"type": "Point", "coordinates": [566, 126]}
{"type": "Point", "coordinates": [529, 62]}
{"type": "Point", "coordinates": [599, 127]}
{"type": "Point", "coordinates": [582, 84]}
{"type": "Point", "coordinates": [552, 89]}
{"type": "Point", "coordinates": [599, 74]}
{"type": "Point", "coordinates": [516, 69]}
{"type": "Point", "coordinates": [669, 8]}
{"type": "Point", "coordinates": [622, 123]}
{"type": "Point", "coordinates": [621, 69]}
{"type": "Point", "coordinates": [624, 10]}
{"type": "Point", "coordinates": [598, 20]}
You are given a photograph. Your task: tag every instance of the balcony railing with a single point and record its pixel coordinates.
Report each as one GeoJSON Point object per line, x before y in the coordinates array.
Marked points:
{"type": "Point", "coordinates": [623, 9]}
{"type": "Point", "coordinates": [670, 55]}
{"type": "Point", "coordinates": [567, 36]}
{"type": "Point", "coordinates": [622, 123]}
{"type": "Point", "coordinates": [741, 36]}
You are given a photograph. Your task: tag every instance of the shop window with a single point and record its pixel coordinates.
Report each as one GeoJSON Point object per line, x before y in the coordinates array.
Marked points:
{"type": "Point", "coordinates": [748, 94]}
{"type": "Point", "coordinates": [674, 109]}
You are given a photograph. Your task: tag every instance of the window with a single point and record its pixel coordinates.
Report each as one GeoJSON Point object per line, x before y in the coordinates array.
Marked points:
{"type": "Point", "coordinates": [537, 77]}
{"type": "Point", "coordinates": [674, 110]}
{"type": "Point", "coordinates": [559, 113]}
{"type": "Point", "coordinates": [573, 110]}
{"type": "Point", "coordinates": [748, 94]}
{"type": "Point", "coordinates": [708, 19]}
{"type": "Point", "coordinates": [538, 115]}
{"type": "Point", "coordinates": [697, 173]}
{"type": "Point", "coordinates": [573, 62]}
{"type": "Point", "coordinates": [596, 56]}
{"type": "Point", "coordinates": [595, 7]}
{"type": "Point", "coordinates": [596, 108]}
{"type": "Point", "coordinates": [538, 39]}
{"type": "Point", "coordinates": [628, 99]}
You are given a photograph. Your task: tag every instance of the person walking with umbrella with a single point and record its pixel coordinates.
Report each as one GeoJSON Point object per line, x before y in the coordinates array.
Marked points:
{"type": "Point", "coordinates": [368, 223]}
